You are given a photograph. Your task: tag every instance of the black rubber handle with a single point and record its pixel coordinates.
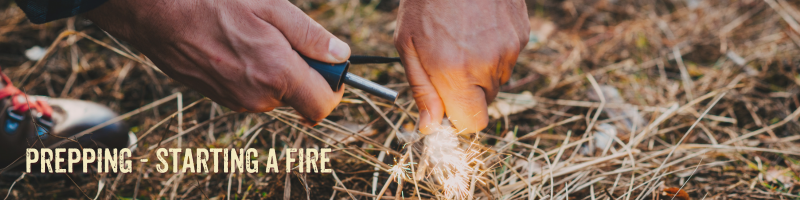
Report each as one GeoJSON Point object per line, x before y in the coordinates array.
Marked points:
{"type": "Point", "coordinates": [334, 74]}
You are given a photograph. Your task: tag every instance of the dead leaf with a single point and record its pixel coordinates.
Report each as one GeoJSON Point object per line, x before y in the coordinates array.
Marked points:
{"type": "Point", "coordinates": [783, 176]}
{"type": "Point", "coordinates": [507, 104]}
{"type": "Point", "coordinates": [541, 29]}
{"type": "Point", "coordinates": [535, 167]}
{"type": "Point", "coordinates": [604, 136]}
{"type": "Point", "coordinates": [675, 193]}
{"type": "Point", "coordinates": [631, 115]}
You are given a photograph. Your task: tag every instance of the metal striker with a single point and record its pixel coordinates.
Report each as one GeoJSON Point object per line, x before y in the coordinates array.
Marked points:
{"type": "Point", "coordinates": [336, 75]}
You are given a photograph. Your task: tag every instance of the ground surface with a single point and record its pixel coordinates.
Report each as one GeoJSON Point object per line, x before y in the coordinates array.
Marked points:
{"type": "Point", "coordinates": [652, 69]}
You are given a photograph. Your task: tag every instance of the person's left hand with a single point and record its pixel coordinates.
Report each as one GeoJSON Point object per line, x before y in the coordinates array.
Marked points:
{"type": "Point", "coordinates": [457, 53]}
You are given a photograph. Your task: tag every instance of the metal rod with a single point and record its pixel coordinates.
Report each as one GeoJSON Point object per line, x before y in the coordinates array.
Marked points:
{"type": "Point", "coordinates": [370, 87]}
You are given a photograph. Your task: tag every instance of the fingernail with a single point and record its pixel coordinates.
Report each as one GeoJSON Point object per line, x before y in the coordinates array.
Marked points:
{"type": "Point", "coordinates": [338, 49]}
{"type": "Point", "coordinates": [424, 122]}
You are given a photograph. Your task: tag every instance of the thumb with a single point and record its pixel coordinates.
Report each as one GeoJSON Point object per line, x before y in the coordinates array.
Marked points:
{"type": "Point", "coordinates": [306, 35]}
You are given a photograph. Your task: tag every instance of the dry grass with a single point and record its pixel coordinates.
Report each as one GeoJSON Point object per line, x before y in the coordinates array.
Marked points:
{"type": "Point", "coordinates": [707, 101]}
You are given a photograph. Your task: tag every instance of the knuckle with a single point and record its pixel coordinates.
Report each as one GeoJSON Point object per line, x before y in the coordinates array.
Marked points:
{"type": "Point", "coordinates": [399, 39]}
{"type": "Point", "coordinates": [314, 35]}
{"type": "Point", "coordinates": [422, 96]}
{"type": "Point", "coordinates": [514, 47]}
{"type": "Point", "coordinates": [402, 42]}
{"type": "Point", "coordinates": [524, 34]}
{"type": "Point", "coordinates": [523, 40]}
{"type": "Point", "coordinates": [303, 40]}
{"type": "Point", "coordinates": [420, 93]}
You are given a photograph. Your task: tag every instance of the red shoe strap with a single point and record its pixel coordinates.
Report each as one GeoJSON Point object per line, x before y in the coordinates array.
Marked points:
{"type": "Point", "coordinates": [21, 103]}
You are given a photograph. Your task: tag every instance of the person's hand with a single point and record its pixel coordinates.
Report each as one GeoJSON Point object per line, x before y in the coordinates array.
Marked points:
{"type": "Point", "coordinates": [457, 53]}
{"type": "Point", "coordinates": [241, 54]}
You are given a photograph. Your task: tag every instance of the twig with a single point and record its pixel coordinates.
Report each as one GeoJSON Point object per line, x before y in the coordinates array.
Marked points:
{"type": "Point", "coordinates": [688, 85]}
{"type": "Point", "coordinates": [138, 180]}
{"type": "Point", "coordinates": [14, 183]}
{"type": "Point", "coordinates": [786, 17]}
{"type": "Point", "coordinates": [602, 103]}
{"type": "Point", "coordinates": [211, 137]}
{"type": "Point", "coordinates": [548, 127]}
{"type": "Point", "coordinates": [686, 134]}
{"type": "Point", "coordinates": [333, 172]}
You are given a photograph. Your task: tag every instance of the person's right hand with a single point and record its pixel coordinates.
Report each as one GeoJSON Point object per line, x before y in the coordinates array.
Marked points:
{"type": "Point", "coordinates": [243, 54]}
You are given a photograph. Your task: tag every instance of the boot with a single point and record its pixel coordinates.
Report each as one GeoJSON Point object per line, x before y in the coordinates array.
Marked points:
{"type": "Point", "coordinates": [38, 122]}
